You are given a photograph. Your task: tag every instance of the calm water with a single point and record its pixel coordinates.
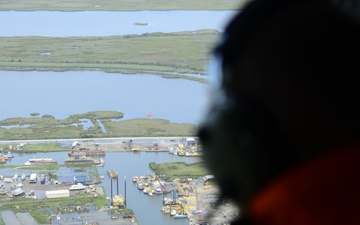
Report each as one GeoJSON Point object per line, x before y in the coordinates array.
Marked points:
{"type": "Point", "coordinates": [147, 208]}
{"type": "Point", "coordinates": [64, 93]}
{"type": "Point", "coordinates": [102, 23]}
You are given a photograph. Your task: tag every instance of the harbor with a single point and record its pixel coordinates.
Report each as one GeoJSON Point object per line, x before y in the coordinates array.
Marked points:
{"type": "Point", "coordinates": [131, 169]}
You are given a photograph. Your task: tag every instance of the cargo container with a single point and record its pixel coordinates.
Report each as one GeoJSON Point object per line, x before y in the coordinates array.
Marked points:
{"type": "Point", "coordinates": [57, 194]}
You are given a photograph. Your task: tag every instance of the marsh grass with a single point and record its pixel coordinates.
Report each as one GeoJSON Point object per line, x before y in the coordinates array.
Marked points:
{"type": "Point", "coordinates": [51, 128]}
{"type": "Point", "coordinates": [179, 170]}
{"type": "Point", "coordinates": [45, 147]}
{"type": "Point", "coordinates": [151, 53]}
{"type": "Point", "coordinates": [38, 208]}
{"type": "Point", "coordinates": [149, 128]}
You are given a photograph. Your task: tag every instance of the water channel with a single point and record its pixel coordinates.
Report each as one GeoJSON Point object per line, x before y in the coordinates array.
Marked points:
{"type": "Point", "coordinates": [103, 23]}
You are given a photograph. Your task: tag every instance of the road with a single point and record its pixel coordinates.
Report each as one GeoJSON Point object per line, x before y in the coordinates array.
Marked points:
{"type": "Point", "coordinates": [94, 139]}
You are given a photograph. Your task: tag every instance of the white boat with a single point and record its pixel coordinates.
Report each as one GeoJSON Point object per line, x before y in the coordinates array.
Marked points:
{"type": "Point", "coordinates": [165, 209]}
{"type": "Point", "coordinates": [76, 187]}
{"type": "Point", "coordinates": [27, 163]}
{"type": "Point", "coordinates": [140, 186]}
{"type": "Point", "coordinates": [173, 212]}
{"type": "Point", "coordinates": [16, 186]}
{"type": "Point", "coordinates": [18, 192]}
{"type": "Point", "coordinates": [135, 179]}
{"type": "Point", "coordinates": [158, 191]}
{"type": "Point", "coordinates": [8, 180]}
{"type": "Point", "coordinates": [9, 155]}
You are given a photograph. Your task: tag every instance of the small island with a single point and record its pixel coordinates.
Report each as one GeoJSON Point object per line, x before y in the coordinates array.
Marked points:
{"type": "Point", "coordinates": [141, 24]}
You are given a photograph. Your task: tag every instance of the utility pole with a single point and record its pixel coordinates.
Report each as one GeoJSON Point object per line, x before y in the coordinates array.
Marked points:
{"type": "Point", "coordinates": [125, 190]}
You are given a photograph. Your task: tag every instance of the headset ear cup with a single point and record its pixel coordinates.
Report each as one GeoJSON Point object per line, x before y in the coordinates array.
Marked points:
{"type": "Point", "coordinates": [243, 148]}
{"type": "Point", "coordinates": [225, 138]}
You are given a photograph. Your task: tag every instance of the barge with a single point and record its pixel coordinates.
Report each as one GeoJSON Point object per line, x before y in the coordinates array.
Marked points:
{"type": "Point", "coordinates": [42, 161]}
{"type": "Point", "coordinates": [79, 160]}
{"type": "Point", "coordinates": [86, 152]}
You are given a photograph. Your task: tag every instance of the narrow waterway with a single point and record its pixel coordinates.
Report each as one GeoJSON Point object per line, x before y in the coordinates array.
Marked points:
{"type": "Point", "coordinates": [103, 23]}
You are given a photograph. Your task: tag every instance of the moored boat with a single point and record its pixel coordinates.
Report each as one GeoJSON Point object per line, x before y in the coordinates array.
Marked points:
{"type": "Point", "coordinates": [16, 186]}
{"type": "Point", "coordinates": [79, 160]}
{"type": "Point", "coordinates": [180, 216]}
{"type": "Point", "coordinates": [173, 212]}
{"type": "Point", "coordinates": [165, 209]}
{"type": "Point", "coordinates": [100, 162]}
{"type": "Point", "coordinates": [76, 187]}
{"type": "Point", "coordinates": [2, 160]}
{"type": "Point", "coordinates": [158, 191]}
{"type": "Point", "coordinates": [140, 186]}
{"type": "Point", "coordinates": [42, 161]}
{"type": "Point", "coordinates": [9, 155]}
{"type": "Point", "coordinates": [18, 192]}
{"type": "Point", "coordinates": [135, 179]}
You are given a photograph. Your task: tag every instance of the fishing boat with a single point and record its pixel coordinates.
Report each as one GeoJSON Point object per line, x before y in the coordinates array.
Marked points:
{"type": "Point", "coordinates": [180, 216]}
{"type": "Point", "coordinates": [158, 191]}
{"type": "Point", "coordinates": [169, 201]}
{"type": "Point", "coordinates": [16, 186]}
{"type": "Point", "coordinates": [18, 192]}
{"type": "Point", "coordinates": [118, 201]}
{"type": "Point", "coordinates": [8, 180]}
{"type": "Point", "coordinates": [173, 212]}
{"type": "Point", "coordinates": [140, 186]}
{"type": "Point", "coordinates": [165, 209]}
{"type": "Point", "coordinates": [9, 155]}
{"type": "Point", "coordinates": [2, 160]}
{"type": "Point", "coordinates": [135, 179]}
{"type": "Point", "coordinates": [76, 187]}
